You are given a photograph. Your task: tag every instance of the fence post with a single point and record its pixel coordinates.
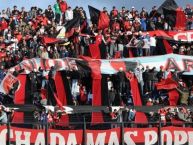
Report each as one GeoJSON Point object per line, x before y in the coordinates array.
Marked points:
{"type": "Point", "coordinates": [8, 133]}
{"type": "Point", "coordinates": [159, 131]}
{"type": "Point", "coordinates": [84, 131]}
{"type": "Point", "coordinates": [46, 133]}
{"type": "Point", "coordinates": [122, 133]}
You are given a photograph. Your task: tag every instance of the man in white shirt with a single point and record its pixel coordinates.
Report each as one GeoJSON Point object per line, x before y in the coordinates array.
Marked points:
{"type": "Point", "coordinates": [152, 45]}
{"type": "Point", "coordinates": [44, 54]}
{"type": "Point", "coordinates": [69, 14]}
{"type": "Point", "coordinates": [146, 46]}
{"type": "Point", "coordinates": [139, 74]}
{"type": "Point", "coordinates": [109, 83]}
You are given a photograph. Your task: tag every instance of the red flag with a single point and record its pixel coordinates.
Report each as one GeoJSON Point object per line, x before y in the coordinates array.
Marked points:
{"type": "Point", "coordinates": [173, 97]}
{"type": "Point", "coordinates": [95, 51]}
{"type": "Point", "coordinates": [167, 84]}
{"type": "Point", "coordinates": [49, 40]}
{"type": "Point", "coordinates": [159, 33]}
{"type": "Point", "coordinates": [180, 19]}
{"type": "Point", "coordinates": [103, 21]}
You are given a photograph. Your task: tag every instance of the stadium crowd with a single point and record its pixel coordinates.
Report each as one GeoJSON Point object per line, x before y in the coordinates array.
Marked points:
{"type": "Point", "coordinates": [22, 32]}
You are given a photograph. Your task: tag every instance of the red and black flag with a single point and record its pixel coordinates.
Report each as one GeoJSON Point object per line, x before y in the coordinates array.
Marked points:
{"type": "Point", "coordinates": [50, 40]}
{"type": "Point", "coordinates": [176, 18]}
{"type": "Point", "coordinates": [56, 92]}
{"type": "Point", "coordinates": [63, 92]}
{"type": "Point", "coordinates": [99, 91]}
{"type": "Point", "coordinates": [23, 96]}
{"type": "Point", "coordinates": [69, 28]}
{"type": "Point", "coordinates": [94, 14]}
{"type": "Point", "coordinates": [164, 45]}
{"type": "Point", "coordinates": [169, 85]}
{"type": "Point", "coordinates": [173, 15]}
{"type": "Point", "coordinates": [136, 97]}
{"type": "Point", "coordinates": [100, 18]}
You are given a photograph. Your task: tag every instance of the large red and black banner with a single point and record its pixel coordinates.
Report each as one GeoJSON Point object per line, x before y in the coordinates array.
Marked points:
{"type": "Point", "coordinates": [115, 136]}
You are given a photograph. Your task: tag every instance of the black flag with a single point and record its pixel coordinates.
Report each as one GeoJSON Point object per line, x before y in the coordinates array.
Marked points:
{"type": "Point", "coordinates": [168, 4]}
{"type": "Point", "coordinates": [94, 14]}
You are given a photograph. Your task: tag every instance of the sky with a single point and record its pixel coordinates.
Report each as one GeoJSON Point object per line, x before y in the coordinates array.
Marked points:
{"type": "Point", "coordinates": [99, 4]}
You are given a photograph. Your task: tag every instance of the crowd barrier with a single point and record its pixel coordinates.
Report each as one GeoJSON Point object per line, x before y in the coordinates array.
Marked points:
{"type": "Point", "coordinates": [83, 133]}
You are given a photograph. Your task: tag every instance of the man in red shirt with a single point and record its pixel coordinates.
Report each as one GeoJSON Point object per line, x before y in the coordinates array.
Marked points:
{"type": "Point", "coordinates": [63, 6]}
{"type": "Point", "coordinates": [127, 24]}
{"type": "Point", "coordinates": [114, 12]}
{"type": "Point", "coordinates": [3, 25]}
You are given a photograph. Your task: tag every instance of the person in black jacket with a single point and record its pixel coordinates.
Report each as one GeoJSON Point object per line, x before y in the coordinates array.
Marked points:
{"type": "Point", "coordinates": [112, 94]}
{"type": "Point", "coordinates": [146, 80]}
{"type": "Point", "coordinates": [49, 13]}
{"type": "Point", "coordinates": [121, 79]}
{"type": "Point", "coordinates": [160, 74]}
